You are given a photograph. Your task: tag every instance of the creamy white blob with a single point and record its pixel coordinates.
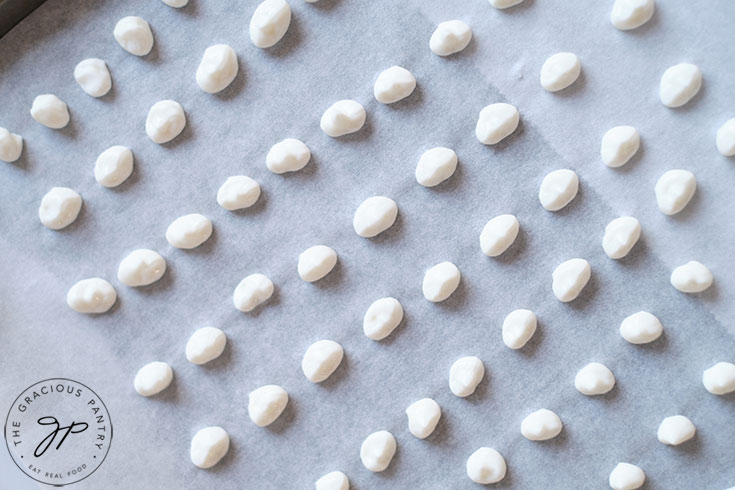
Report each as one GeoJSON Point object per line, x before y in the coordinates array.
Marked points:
{"type": "Point", "coordinates": [465, 374]}
{"type": "Point", "coordinates": [59, 208]}
{"type": "Point", "coordinates": [621, 234]}
{"type": "Point", "coordinates": [619, 144]}
{"type": "Point", "coordinates": [423, 415]}
{"type": "Point", "coordinates": [266, 404]}
{"type": "Point", "coordinates": [288, 155]}
{"type": "Point", "coordinates": [496, 122]}
{"type": "Point", "coordinates": [50, 111]}
{"type": "Point", "coordinates": [189, 231]}
{"type": "Point", "coordinates": [93, 77]}
{"type": "Point", "coordinates": [504, 4]}
{"type": "Point", "coordinates": [435, 166]}
{"type": "Point", "coordinates": [153, 378]}
{"type": "Point", "coordinates": [93, 295]}
{"type": "Point", "coordinates": [641, 328]}
{"type": "Point", "coordinates": [343, 117]}
{"type": "Point", "coordinates": [252, 291]}
{"type": "Point", "coordinates": [377, 450]}
{"type": "Point", "coordinates": [594, 379]}
{"type": "Point", "coordinates": [679, 84]}
{"type": "Point", "coordinates": [113, 166]}
{"type": "Point", "coordinates": [165, 121]}
{"type": "Point", "coordinates": [485, 466]}
{"type": "Point", "coordinates": [11, 145]}
{"type": "Point", "coordinates": [720, 378]}
{"type": "Point", "coordinates": [141, 267]}
{"type": "Point", "coordinates": [541, 425]}
{"type": "Point", "coordinates": [569, 278]}
{"type": "Point", "coordinates": [626, 476]}
{"type": "Point", "coordinates": [692, 277]}
{"type": "Point", "coordinates": [217, 69]}
{"type": "Point", "coordinates": [335, 480]}
{"type": "Point", "coordinates": [316, 262]}
{"type": "Point", "coordinates": [725, 138]}
{"type": "Point", "coordinates": [518, 328]}
{"type": "Point", "coordinates": [630, 14]}
{"type": "Point", "coordinates": [269, 23]}
{"type": "Point", "coordinates": [204, 345]}
{"type": "Point", "coordinates": [321, 359]}
{"type": "Point", "coordinates": [394, 84]}
{"type": "Point", "coordinates": [238, 192]}
{"type": "Point", "coordinates": [381, 318]}
{"type": "Point", "coordinates": [208, 446]}
{"type": "Point", "coordinates": [134, 35]}
{"type": "Point", "coordinates": [674, 189]}
{"type": "Point", "coordinates": [440, 281]}
{"type": "Point", "coordinates": [498, 234]}
{"type": "Point", "coordinates": [177, 4]}
{"type": "Point", "coordinates": [560, 71]}
{"type": "Point", "coordinates": [558, 189]}
{"type": "Point", "coordinates": [374, 215]}
{"type": "Point", "coordinates": [675, 430]}
{"type": "Point", "coordinates": [450, 37]}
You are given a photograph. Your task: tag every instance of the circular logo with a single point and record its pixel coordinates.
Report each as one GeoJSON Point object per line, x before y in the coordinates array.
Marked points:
{"type": "Point", "coordinates": [58, 431]}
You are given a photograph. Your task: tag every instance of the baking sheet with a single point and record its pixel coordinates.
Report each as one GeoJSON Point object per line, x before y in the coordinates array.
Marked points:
{"type": "Point", "coordinates": [334, 49]}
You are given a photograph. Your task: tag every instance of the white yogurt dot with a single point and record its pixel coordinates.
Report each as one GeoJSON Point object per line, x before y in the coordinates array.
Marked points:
{"type": "Point", "coordinates": [496, 122]}
{"type": "Point", "coordinates": [59, 207]}
{"type": "Point", "coordinates": [594, 379]}
{"type": "Point", "coordinates": [558, 189]}
{"type": "Point", "coordinates": [238, 192]}
{"type": "Point", "coordinates": [679, 84]}
{"type": "Point", "coordinates": [177, 4]}
{"type": "Point", "coordinates": [619, 145]}
{"type": "Point", "coordinates": [486, 466]}
{"type": "Point", "coordinates": [266, 404]}
{"type": "Point", "coordinates": [560, 71]}
{"type": "Point", "coordinates": [621, 235]}
{"type": "Point", "coordinates": [423, 415]}
{"type": "Point", "coordinates": [343, 117]}
{"type": "Point", "coordinates": [153, 378]}
{"type": "Point", "coordinates": [11, 145]}
{"type": "Point", "coordinates": [720, 378]}
{"type": "Point", "coordinates": [204, 345]}
{"type": "Point", "coordinates": [189, 231]}
{"type": "Point", "coordinates": [288, 155]}
{"type": "Point", "coordinates": [165, 121]}
{"type": "Point", "coordinates": [316, 262]}
{"type": "Point", "coordinates": [335, 480]}
{"type": "Point", "coordinates": [464, 375]}
{"type": "Point", "coordinates": [725, 138]}
{"type": "Point", "coordinates": [692, 277]}
{"type": "Point", "coordinates": [113, 166]}
{"type": "Point", "coordinates": [569, 278]}
{"type": "Point", "coordinates": [377, 450]}
{"type": "Point", "coordinates": [141, 267]}
{"type": "Point", "coordinates": [641, 328]}
{"type": "Point", "coordinates": [381, 318]}
{"type": "Point", "coordinates": [269, 23]}
{"type": "Point", "coordinates": [504, 4]}
{"type": "Point", "coordinates": [134, 35]}
{"type": "Point", "coordinates": [541, 425]}
{"type": "Point", "coordinates": [675, 430]}
{"type": "Point", "coordinates": [394, 84]}
{"type": "Point", "coordinates": [450, 37]}
{"type": "Point", "coordinates": [93, 76]}
{"type": "Point", "coordinates": [518, 328]}
{"type": "Point", "coordinates": [626, 476]}
{"type": "Point", "coordinates": [440, 282]}
{"type": "Point", "coordinates": [92, 295]}
{"type": "Point", "coordinates": [630, 14]}
{"type": "Point", "coordinates": [375, 215]}
{"type": "Point", "coordinates": [252, 291]}
{"type": "Point", "coordinates": [674, 190]}
{"type": "Point", "coordinates": [498, 234]}
{"type": "Point", "coordinates": [217, 69]}
{"type": "Point", "coordinates": [435, 166]}
{"type": "Point", "coordinates": [50, 111]}
{"type": "Point", "coordinates": [208, 446]}
{"type": "Point", "coordinates": [321, 359]}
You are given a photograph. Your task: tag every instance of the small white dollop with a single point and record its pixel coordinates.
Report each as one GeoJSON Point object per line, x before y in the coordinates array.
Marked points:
{"type": "Point", "coordinates": [464, 375]}
{"type": "Point", "coordinates": [266, 404]}
{"type": "Point", "coordinates": [321, 359]}
{"type": "Point", "coordinates": [343, 117]}
{"type": "Point", "coordinates": [252, 291]}
{"type": "Point", "coordinates": [541, 425]}
{"type": "Point", "coordinates": [335, 480]}
{"type": "Point", "coordinates": [59, 207]}
{"type": "Point", "coordinates": [375, 215]}
{"type": "Point", "coordinates": [393, 84]}
{"type": "Point", "coordinates": [560, 71]}
{"type": "Point", "coordinates": [630, 14]}
{"type": "Point", "coordinates": [165, 121]}
{"type": "Point", "coordinates": [208, 446]}
{"type": "Point", "coordinates": [679, 84]}
{"type": "Point", "coordinates": [569, 278]}
{"type": "Point", "coordinates": [621, 235]}
{"type": "Point", "coordinates": [674, 190]}
{"type": "Point", "coordinates": [498, 234]}
{"type": "Point", "coordinates": [594, 379]}
{"type": "Point", "coordinates": [558, 189]}
{"type": "Point", "coordinates": [217, 69]}
{"type": "Point", "coordinates": [141, 267]}
{"type": "Point", "coordinates": [377, 450]}
{"type": "Point", "coordinates": [316, 262]}
{"type": "Point", "coordinates": [238, 192]}
{"type": "Point", "coordinates": [269, 23]}
{"type": "Point", "coordinates": [189, 231]}
{"type": "Point", "coordinates": [435, 166]}
{"type": "Point", "coordinates": [93, 76]}
{"type": "Point", "coordinates": [153, 378]}
{"type": "Point", "coordinates": [50, 111]}
{"type": "Point", "coordinates": [206, 344]}
{"type": "Point", "coordinates": [423, 416]}
{"type": "Point", "coordinates": [504, 4]}
{"type": "Point", "coordinates": [619, 145]}
{"type": "Point", "coordinates": [626, 476]}
{"type": "Point", "coordinates": [450, 37]}
{"type": "Point", "coordinates": [381, 318]}
{"type": "Point", "coordinates": [113, 166]}
{"type": "Point", "coordinates": [440, 282]}
{"type": "Point", "coordinates": [641, 328]}
{"type": "Point", "coordinates": [288, 155]}
{"type": "Point", "coordinates": [496, 122]}
{"type": "Point", "coordinates": [177, 4]}
{"type": "Point", "coordinates": [92, 295]}
{"type": "Point", "coordinates": [720, 378]}
{"type": "Point", "coordinates": [692, 277]}
{"type": "Point", "coordinates": [486, 466]}
{"type": "Point", "coordinates": [11, 145]}
{"type": "Point", "coordinates": [675, 430]}
{"type": "Point", "coordinates": [134, 35]}
{"type": "Point", "coordinates": [518, 328]}
{"type": "Point", "coordinates": [725, 138]}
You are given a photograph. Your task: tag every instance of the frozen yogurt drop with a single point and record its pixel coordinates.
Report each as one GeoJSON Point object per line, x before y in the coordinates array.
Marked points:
{"type": "Point", "coordinates": [450, 37]}
{"type": "Point", "coordinates": [375, 215]}
{"type": "Point", "coordinates": [394, 84]}
{"type": "Point", "coordinates": [675, 430]}
{"type": "Point", "coordinates": [165, 121]}
{"type": "Point", "coordinates": [288, 155]}
{"type": "Point", "coordinates": [252, 291]}
{"type": "Point", "coordinates": [321, 359]}
{"type": "Point", "coordinates": [153, 378]}
{"type": "Point", "coordinates": [720, 378]}
{"type": "Point", "coordinates": [626, 476]}
{"type": "Point", "coordinates": [141, 267]}
{"type": "Point", "coordinates": [485, 466]}
{"type": "Point", "coordinates": [177, 4]}
{"type": "Point", "coordinates": [335, 480]}
{"type": "Point", "coordinates": [440, 282]}
{"type": "Point", "coordinates": [423, 415]}
{"type": "Point", "coordinates": [134, 35]}
{"type": "Point", "coordinates": [641, 328]}
{"type": "Point", "coordinates": [93, 77]}
{"type": "Point", "coordinates": [692, 277]}
{"type": "Point", "coordinates": [217, 69]}
{"type": "Point", "coordinates": [59, 208]}
{"type": "Point", "coordinates": [381, 318]}
{"type": "Point", "coordinates": [569, 278]}
{"type": "Point", "coordinates": [11, 145]}
{"type": "Point", "coordinates": [594, 379]}
{"type": "Point", "coordinates": [343, 117]}
{"type": "Point", "coordinates": [541, 425]}
{"type": "Point", "coordinates": [498, 234]}
{"type": "Point", "coordinates": [208, 446]}
{"type": "Point", "coordinates": [679, 84]}
{"type": "Point", "coordinates": [316, 262]}
{"type": "Point", "coordinates": [238, 192]}
{"type": "Point", "coordinates": [50, 111]}
{"type": "Point", "coordinates": [619, 145]}
{"type": "Point", "coordinates": [204, 345]}
{"type": "Point", "coordinates": [725, 139]}
{"type": "Point", "coordinates": [435, 166]}
{"type": "Point", "coordinates": [266, 404]}
{"type": "Point", "coordinates": [464, 376]}
{"type": "Point", "coordinates": [496, 122]}
{"type": "Point", "coordinates": [674, 189]}
{"type": "Point", "coordinates": [560, 71]}
{"type": "Point", "coordinates": [93, 295]}
{"type": "Point", "coordinates": [518, 328]}
{"type": "Point", "coordinates": [558, 189]}
{"type": "Point", "coordinates": [504, 4]}
{"type": "Point", "coordinates": [630, 14]}
{"type": "Point", "coordinates": [377, 450]}
{"type": "Point", "coordinates": [621, 235]}
{"type": "Point", "coordinates": [113, 166]}
{"type": "Point", "coordinates": [269, 23]}
{"type": "Point", "coordinates": [189, 231]}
